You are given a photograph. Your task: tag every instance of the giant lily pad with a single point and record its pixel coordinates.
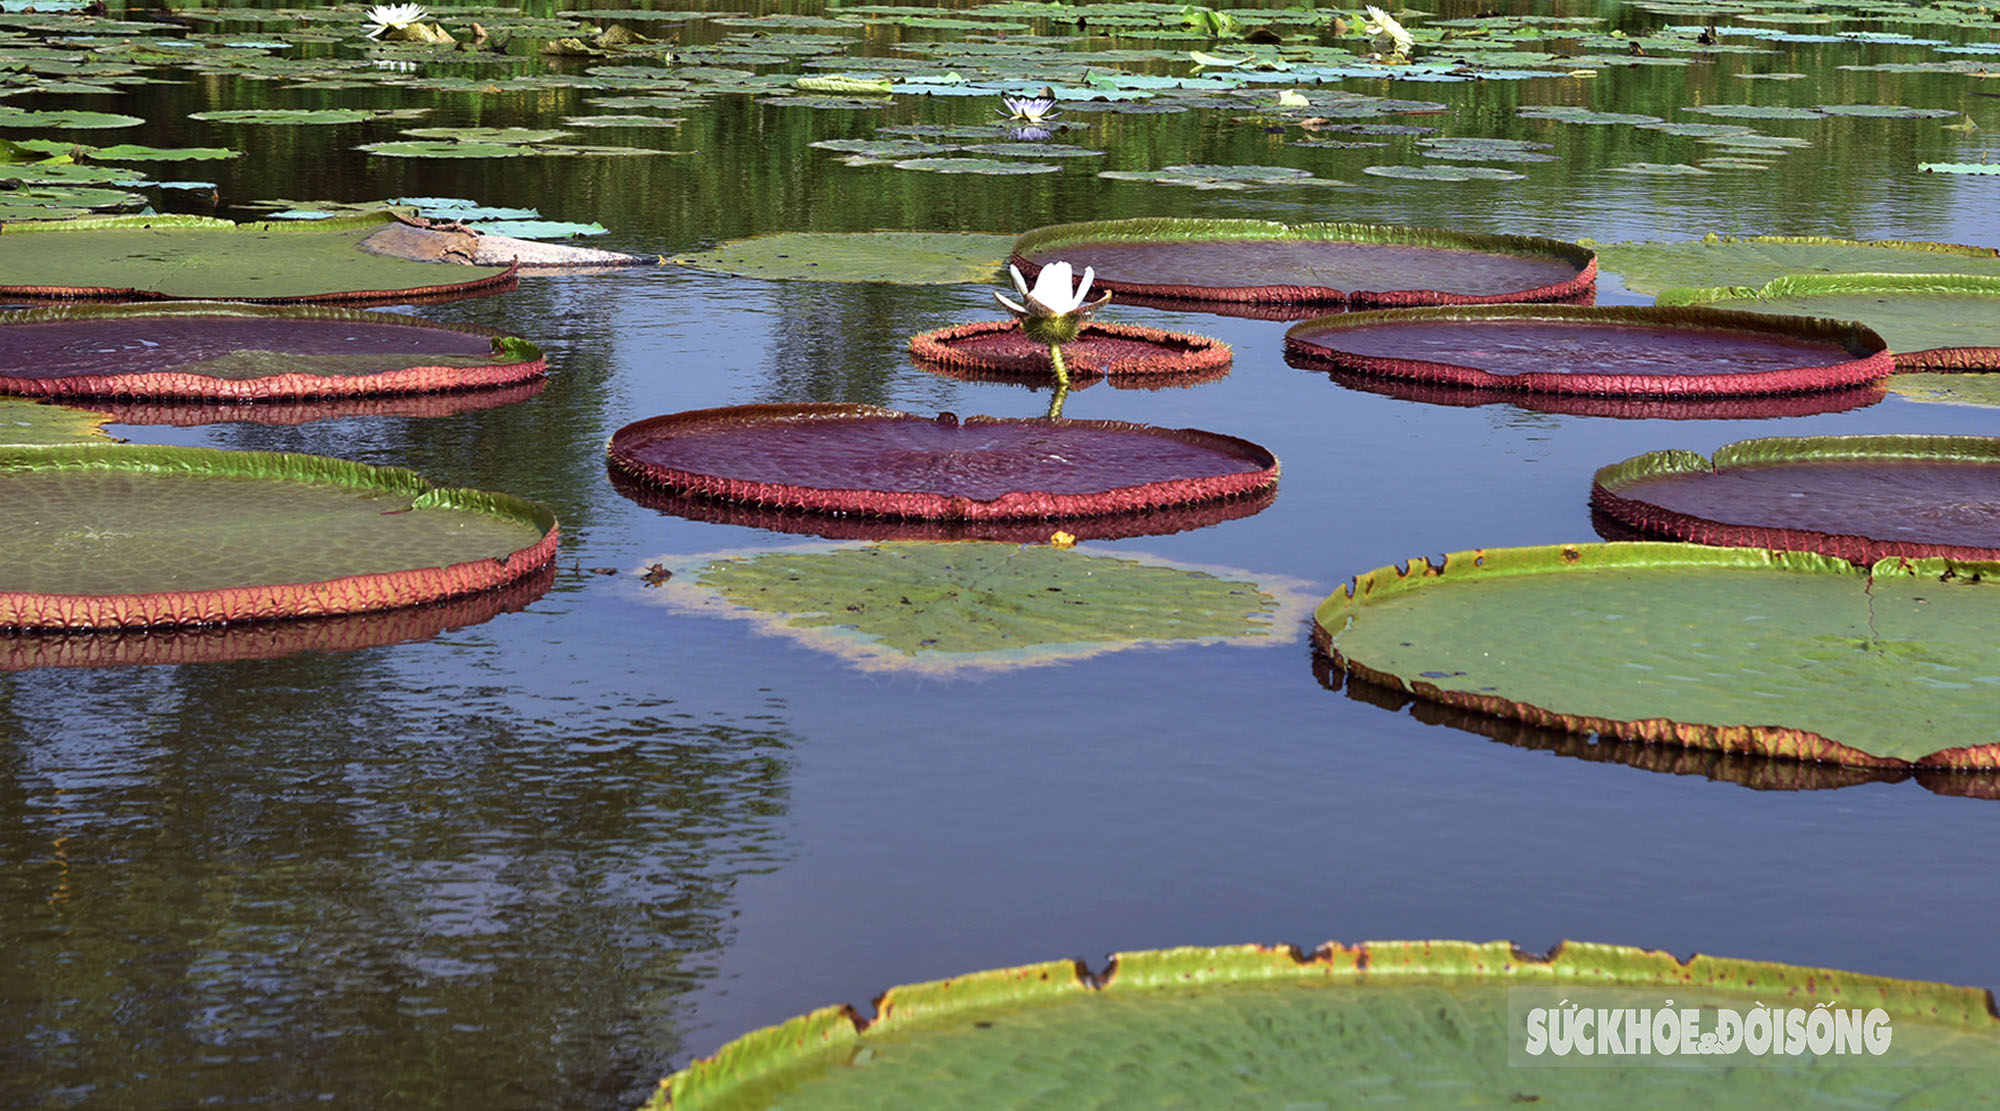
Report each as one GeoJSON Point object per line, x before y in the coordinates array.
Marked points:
{"type": "Point", "coordinates": [979, 606]}
{"type": "Point", "coordinates": [1421, 1024]}
{"type": "Point", "coordinates": [1862, 498]}
{"type": "Point", "coordinates": [1728, 260]}
{"type": "Point", "coordinates": [149, 258]}
{"type": "Point", "coordinates": [122, 536]}
{"type": "Point", "coordinates": [903, 257]}
{"type": "Point", "coordinates": [1770, 653]}
{"type": "Point", "coordinates": [1333, 264]}
{"type": "Point", "coordinates": [833, 458]}
{"type": "Point", "coordinates": [1981, 390]}
{"type": "Point", "coordinates": [1623, 350]}
{"type": "Point", "coordinates": [1931, 321]}
{"type": "Point", "coordinates": [191, 413]}
{"type": "Point", "coordinates": [265, 640]}
{"type": "Point", "coordinates": [33, 422]}
{"type": "Point", "coordinates": [247, 352]}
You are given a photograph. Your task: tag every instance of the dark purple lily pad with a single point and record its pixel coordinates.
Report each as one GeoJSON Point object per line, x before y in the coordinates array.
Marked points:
{"type": "Point", "coordinates": [1622, 351]}
{"type": "Point", "coordinates": [249, 353]}
{"type": "Point", "coordinates": [1861, 498]}
{"type": "Point", "coordinates": [1325, 264]}
{"type": "Point", "coordinates": [1100, 350]}
{"type": "Point", "coordinates": [832, 458]}
{"type": "Point", "coordinates": [1763, 407]}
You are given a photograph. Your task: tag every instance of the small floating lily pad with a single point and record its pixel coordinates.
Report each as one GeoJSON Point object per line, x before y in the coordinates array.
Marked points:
{"type": "Point", "coordinates": [1771, 653]}
{"type": "Point", "coordinates": [177, 258]}
{"type": "Point", "coordinates": [1939, 322]}
{"type": "Point", "coordinates": [56, 120]}
{"type": "Point", "coordinates": [125, 536]}
{"type": "Point", "coordinates": [1222, 177]}
{"type": "Point", "coordinates": [1269, 1026]}
{"type": "Point", "coordinates": [901, 257]}
{"type": "Point", "coordinates": [1612, 351]}
{"type": "Point", "coordinates": [246, 352]}
{"type": "Point", "coordinates": [981, 606]}
{"type": "Point", "coordinates": [1861, 498]}
{"type": "Point", "coordinates": [833, 458]}
{"type": "Point", "coordinates": [1333, 264]}
{"type": "Point", "coordinates": [1729, 260]}
{"type": "Point", "coordinates": [1100, 350]}
{"type": "Point", "coordinates": [1444, 173]}
{"type": "Point", "coordinates": [991, 167]}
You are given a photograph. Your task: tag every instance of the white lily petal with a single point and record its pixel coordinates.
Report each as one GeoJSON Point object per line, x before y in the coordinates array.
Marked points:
{"type": "Point", "coordinates": [1083, 287]}
{"type": "Point", "coordinates": [1052, 289]}
{"type": "Point", "coordinates": [1020, 283]}
{"type": "Point", "coordinates": [1017, 310]}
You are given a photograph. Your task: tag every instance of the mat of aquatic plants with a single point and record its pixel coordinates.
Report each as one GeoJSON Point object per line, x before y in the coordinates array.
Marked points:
{"type": "Point", "coordinates": [1621, 350]}
{"type": "Point", "coordinates": [1100, 350]}
{"type": "Point", "coordinates": [1771, 653]}
{"type": "Point", "coordinates": [118, 536]}
{"type": "Point", "coordinates": [1319, 263]}
{"type": "Point", "coordinates": [154, 258]}
{"type": "Point", "coordinates": [1932, 322]}
{"type": "Point", "coordinates": [250, 352]}
{"type": "Point", "coordinates": [835, 458]}
{"type": "Point", "coordinates": [1381, 1021]}
{"type": "Point", "coordinates": [943, 607]}
{"type": "Point", "coordinates": [1861, 498]}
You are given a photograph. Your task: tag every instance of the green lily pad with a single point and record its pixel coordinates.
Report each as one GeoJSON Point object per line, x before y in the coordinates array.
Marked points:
{"type": "Point", "coordinates": [446, 148]}
{"type": "Point", "coordinates": [1887, 111]}
{"type": "Point", "coordinates": [622, 121]}
{"type": "Point", "coordinates": [1563, 113]}
{"type": "Point", "coordinates": [1659, 169]}
{"type": "Point", "coordinates": [132, 152]}
{"type": "Point", "coordinates": [1935, 322]}
{"type": "Point", "coordinates": [1444, 173]}
{"type": "Point", "coordinates": [1980, 390]}
{"type": "Point", "coordinates": [977, 605]}
{"type": "Point", "coordinates": [1976, 168]}
{"type": "Point", "coordinates": [1757, 111]}
{"type": "Point", "coordinates": [1770, 653]}
{"type": "Point", "coordinates": [1728, 260]}
{"type": "Point", "coordinates": [207, 259]}
{"type": "Point", "coordinates": [38, 422]}
{"type": "Point", "coordinates": [63, 120]}
{"type": "Point", "coordinates": [1223, 177]}
{"type": "Point", "coordinates": [993, 167]}
{"type": "Point", "coordinates": [1418, 1024]}
{"type": "Point", "coordinates": [304, 115]}
{"type": "Point", "coordinates": [901, 257]}
{"type": "Point", "coordinates": [130, 535]}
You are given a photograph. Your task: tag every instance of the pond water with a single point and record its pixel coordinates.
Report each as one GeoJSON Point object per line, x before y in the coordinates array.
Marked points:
{"type": "Point", "coordinates": [541, 860]}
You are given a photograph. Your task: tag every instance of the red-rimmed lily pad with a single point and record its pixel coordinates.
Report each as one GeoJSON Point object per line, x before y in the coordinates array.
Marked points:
{"type": "Point", "coordinates": [1415, 1023]}
{"type": "Point", "coordinates": [266, 640]}
{"type": "Point", "coordinates": [1327, 264]}
{"type": "Point", "coordinates": [836, 526]}
{"type": "Point", "coordinates": [193, 413]}
{"type": "Point", "coordinates": [835, 458]}
{"type": "Point", "coordinates": [952, 608]}
{"type": "Point", "coordinates": [1761, 407]}
{"type": "Point", "coordinates": [1610, 351]}
{"type": "Point", "coordinates": [1932, 322]}
{"type": "Point", "coordinates": [1861, 498]}
{"type": "Point", "coordinates": [124, 536]}
{"type": "Point", "coordinates": [249, 352]}
{"type": "Point", "coordinates": [165, 258]}
{"type": "Point", "coordinates": [1099, 350]}
{"type": "Point", "coordinates": [1769, 653]}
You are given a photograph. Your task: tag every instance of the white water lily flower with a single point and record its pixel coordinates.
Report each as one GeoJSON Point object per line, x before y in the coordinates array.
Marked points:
{"type": "Point", "coordinates": [393, 17]}
{"type": "Point", "coordinates": [1053, 312]}
{"type": "Point", "coordinates": [1031, 109]}
{"type": "Point", "coordinates": [1388, 35]}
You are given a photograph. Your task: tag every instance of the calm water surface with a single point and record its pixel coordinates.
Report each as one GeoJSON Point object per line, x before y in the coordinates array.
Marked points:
{"type": "Point", "coordinates": [540, 861]}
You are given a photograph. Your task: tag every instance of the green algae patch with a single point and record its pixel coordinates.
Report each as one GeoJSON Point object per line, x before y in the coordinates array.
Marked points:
{"type": "Point", "coordinates": [1748, 650]}
{"type": "Point", "coordinates": [165, 258]}
{"type": "Point", "coordinates": [118, 535]}
{"type": "Point", "coordinates": [1728, 260]}
{"type": "Point", "coordinates": [945, 607]}
{"type": "Point", "coordinates": [1425, 1023]}
{"type": "Point", "coordinates": [1930, 321]}
{"type": "Point", "coordinates": [900, 257]}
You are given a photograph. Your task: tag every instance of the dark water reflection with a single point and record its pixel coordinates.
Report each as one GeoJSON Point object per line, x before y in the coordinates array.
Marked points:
{"type": "Point", "coordinates": [533, 863]}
